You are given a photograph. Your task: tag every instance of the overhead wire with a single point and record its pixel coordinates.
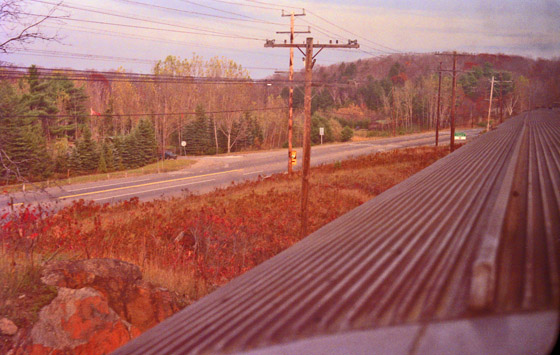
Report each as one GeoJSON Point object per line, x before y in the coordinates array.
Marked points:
{"type": "Point", "coordinates": [150, 28]}
{"type": "Point", "coordinates": [159, 40]}
{"type": "Point", "coordinates": [387, 49]}
{"type": "Point", "coordinates": [113, 76]}
{"type": "Point", "coordinates": [270, 4]}
{"type": "Point", "coordinates": [156, 114]}
{"type": "Point", "coordinates": [246, 5]}
{"type": "Point", "coordinates": [89, 56]}
{"type": "Point", "coordinates": [352, 33]}
{"type": "Point", "coordinates": [126, 16]}
{"type": "Point", "coordinates": [208, 32]}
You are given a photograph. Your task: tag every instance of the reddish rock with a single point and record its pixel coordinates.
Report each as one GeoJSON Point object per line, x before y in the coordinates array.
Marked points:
{"type": "Point", "coordinates": [77, 321]}
{"type": "Point", "coordinates": [7, 327]}
{"type": "Point", "coordinates": [109, 276]}
{"type": "Point", "coordinates": [134, 300]}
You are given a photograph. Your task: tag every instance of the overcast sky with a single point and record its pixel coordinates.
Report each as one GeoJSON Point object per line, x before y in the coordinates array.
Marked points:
{"type": "Point", "coordinates": [236, 29]}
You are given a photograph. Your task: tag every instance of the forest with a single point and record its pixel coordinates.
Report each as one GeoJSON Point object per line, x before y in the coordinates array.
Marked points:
{"type": "Point", "coordinates": [60, 122]}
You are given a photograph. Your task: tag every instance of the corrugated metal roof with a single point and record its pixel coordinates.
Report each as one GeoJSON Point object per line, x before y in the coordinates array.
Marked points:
{"type": "Point", "coordinates": [477, 233]}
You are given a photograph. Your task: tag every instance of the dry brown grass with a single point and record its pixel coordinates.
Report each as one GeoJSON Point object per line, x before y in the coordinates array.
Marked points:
{"type": "Point", "coordinates": [193, 244]}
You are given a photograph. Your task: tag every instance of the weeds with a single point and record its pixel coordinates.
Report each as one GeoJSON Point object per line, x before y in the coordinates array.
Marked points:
{"type": "Point", "coordinates": [194, 244]}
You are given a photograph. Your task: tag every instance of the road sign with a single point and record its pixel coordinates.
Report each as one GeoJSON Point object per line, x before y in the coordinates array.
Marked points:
{"type": "Point", "coordinates": [293, 157]}
{"type": "Point", "coordinates": [321, 131]}
{"type": "Point", "coordinates": [183, 143]}
{"type": "Point", "coordinates": [460, 136]}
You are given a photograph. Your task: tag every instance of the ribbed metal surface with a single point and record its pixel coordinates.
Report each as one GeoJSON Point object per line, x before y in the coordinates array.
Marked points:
{"type": "Point", "coordinates": [475, 233]}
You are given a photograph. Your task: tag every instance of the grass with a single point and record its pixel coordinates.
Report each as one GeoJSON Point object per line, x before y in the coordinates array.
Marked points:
{"type": "Point", "coordinates": [196, 243]}
{"type": "Point", "coordinates": [22, 294]}
{"type": "Point", "coordinates": [159, 167]}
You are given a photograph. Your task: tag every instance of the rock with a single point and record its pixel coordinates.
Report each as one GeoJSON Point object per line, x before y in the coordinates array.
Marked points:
{"type": "Point", "coordinates": [7, 327]}
{"type": "Point", "coordinates": [146, 305]}
{"type": "Point", "coordinates": [134, 300]}
{"type": "Point", "coordinates": [78, 321]}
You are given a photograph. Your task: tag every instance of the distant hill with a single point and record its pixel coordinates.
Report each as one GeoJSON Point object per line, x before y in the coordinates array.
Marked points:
{"type": "Point", "coordinates": [401, 89]}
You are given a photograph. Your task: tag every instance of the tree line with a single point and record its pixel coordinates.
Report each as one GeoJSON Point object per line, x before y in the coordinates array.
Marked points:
{"type": "Point", "coordinates": [71, 123]}
{"type": "Point", "coordinates": [45, 132]}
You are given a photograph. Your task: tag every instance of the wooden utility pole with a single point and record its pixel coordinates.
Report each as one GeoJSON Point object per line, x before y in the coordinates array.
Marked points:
{"type": "Point", "coordinates": [290, 79]}
{"type": "Point", "coordinates": [438, 105]}
{"type": "Point", "coordinates": [309, 62]}
{"type": "Point", "coordinates": [453, 96]}
{"type": "Point", "coordinates": [453, 87]}
{"type": "Point", "coordinates": [490, 104]}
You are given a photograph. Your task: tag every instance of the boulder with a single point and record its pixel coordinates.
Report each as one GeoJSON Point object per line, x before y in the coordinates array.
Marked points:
{"type": "Point", "coordinates": [7, 327]}
{"type": "Point", "coordinates": [77, 321]}
{"type": "Point", "coordinates": [109, 276]}
{"type": "Point", "coordinates": [134, 300]}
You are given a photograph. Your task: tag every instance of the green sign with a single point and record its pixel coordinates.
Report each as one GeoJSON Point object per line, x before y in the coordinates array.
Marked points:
{"type": "Point", "coordinates": [460, 136]}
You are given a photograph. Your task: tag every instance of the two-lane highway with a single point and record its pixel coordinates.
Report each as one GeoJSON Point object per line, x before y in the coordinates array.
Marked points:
{"type": "Point", "coordinates": [212, 172]}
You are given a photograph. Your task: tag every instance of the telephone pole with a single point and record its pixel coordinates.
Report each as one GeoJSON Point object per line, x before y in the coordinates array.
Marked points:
{"type": "Point", "coordinates": [309, 62]}
{"type": "Point", "coordinates": [453, 85]}
{"type": "Point", "coordinates": [438, 105]}
{"type": "Point", "coordinates": [290, 79]}
{"type": "Point", "coordinates": [490, 104]}
{"type": "Point", "coordinates": [453, 96]}
{"type": "Point", "coordinates": [501, 108]}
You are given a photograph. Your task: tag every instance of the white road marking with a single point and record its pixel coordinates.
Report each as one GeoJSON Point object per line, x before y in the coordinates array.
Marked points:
{"type": "Point", "coordinates": [254, 172]}
{"type": "Point", "coordinates": [93, 187]}
{"type": "Point", "coordinates": [161, 188]}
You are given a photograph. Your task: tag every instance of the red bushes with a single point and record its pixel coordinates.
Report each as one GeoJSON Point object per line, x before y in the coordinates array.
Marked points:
{"type": "Point", "coordinates": [213, 237]}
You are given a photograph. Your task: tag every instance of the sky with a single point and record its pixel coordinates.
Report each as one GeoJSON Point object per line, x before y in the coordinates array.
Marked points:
{"type": "Point", "coordinates": [135, 34]}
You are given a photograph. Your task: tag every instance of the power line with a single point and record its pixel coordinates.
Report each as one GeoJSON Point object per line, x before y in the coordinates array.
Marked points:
{"type": "Point", "coordinates": [246, 5]}
{"type": "Point", "coordinates": [153, 114]}
{"type": "Point", "coordinates": [278, 6]}
{"type": "Point", "coordinates": [150, 28]}
{"type": "Point", "coordinates": [87, 56]}
{"type": "Point", "coordinates": [12, 72]}
{"type": "Point", "coordinates": [352, 33]}
{"type": "Point", "coordinates": [246, 19]}
{"type": "Point", "coordinates": [125, 16]}
{"type": "Point", "coordinates": [232, 13]}
{"type": "Point", "coordinates": [158, 40]}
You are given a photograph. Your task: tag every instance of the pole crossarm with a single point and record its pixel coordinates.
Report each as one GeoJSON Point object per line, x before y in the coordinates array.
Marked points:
{"type": "Point", "coordinates": [271, 43]}
{"type": "Point", "coordinates": [292, 14]}
{"type": "Point", "coordinates": [295, 32]}
{"type": "Point", "coordinates": [309, 62]}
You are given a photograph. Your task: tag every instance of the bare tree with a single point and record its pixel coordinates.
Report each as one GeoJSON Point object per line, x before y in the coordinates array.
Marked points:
{"type": "Point", "coordinates": [20, 27]}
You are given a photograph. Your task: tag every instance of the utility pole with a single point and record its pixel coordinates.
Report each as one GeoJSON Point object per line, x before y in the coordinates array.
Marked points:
{"type": "Point", "coordinates": [309, 62]}
{"type": "Point", "coordinates": [290, 79]}
{"type": "Point", "coordinates": [490, 104]}
{"type": "Point", "coordinates": [453, 96]}
{"type": "Point", "coordinates": [438, 105]}
{"type": "Point", "coordinates": [452, 139]}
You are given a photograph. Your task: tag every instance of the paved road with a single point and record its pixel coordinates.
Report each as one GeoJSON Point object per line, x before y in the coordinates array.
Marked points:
{"type": "Point", "coordinates": [212, 172]}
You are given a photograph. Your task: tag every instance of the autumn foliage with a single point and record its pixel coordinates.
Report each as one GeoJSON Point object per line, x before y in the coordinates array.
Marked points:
{"type": "Point", "coordinates": [208, 239]}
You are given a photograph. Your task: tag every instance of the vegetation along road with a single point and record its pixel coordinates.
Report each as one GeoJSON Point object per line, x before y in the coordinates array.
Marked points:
{"type": "Point", "coordinates": [213, 171]}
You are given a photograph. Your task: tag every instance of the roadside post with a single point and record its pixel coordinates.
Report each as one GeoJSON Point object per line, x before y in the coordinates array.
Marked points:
{"type": "Point", "coordinates": [321, 133]}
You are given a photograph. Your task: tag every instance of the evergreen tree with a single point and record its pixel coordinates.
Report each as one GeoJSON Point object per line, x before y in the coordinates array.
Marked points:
{"type": "Point", "coordinates": [347, 134]}
{"type": "Point", "coordinates": [130, 157]}
{"type": "Point", "coordinates": [74, 103]}
{"type": "Point", "coordinates": [198, 134]}
{"type": "Point", "coordinates": [109, 156]}
{"type": "Point", "coordinates": [86, 153]}
{"type": "Point", "coordinates": [39, 101]}
{"type": "Point", "coordinates": [23, 148]}
{"type": "Point", "coordinates": [145, 136]}
{"type": "Point", "coordinates": [108, 127]}
{"type": "Point", "coordinates": [118, 149]}
{"type": "Point", "coordinates": [102, 165]}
